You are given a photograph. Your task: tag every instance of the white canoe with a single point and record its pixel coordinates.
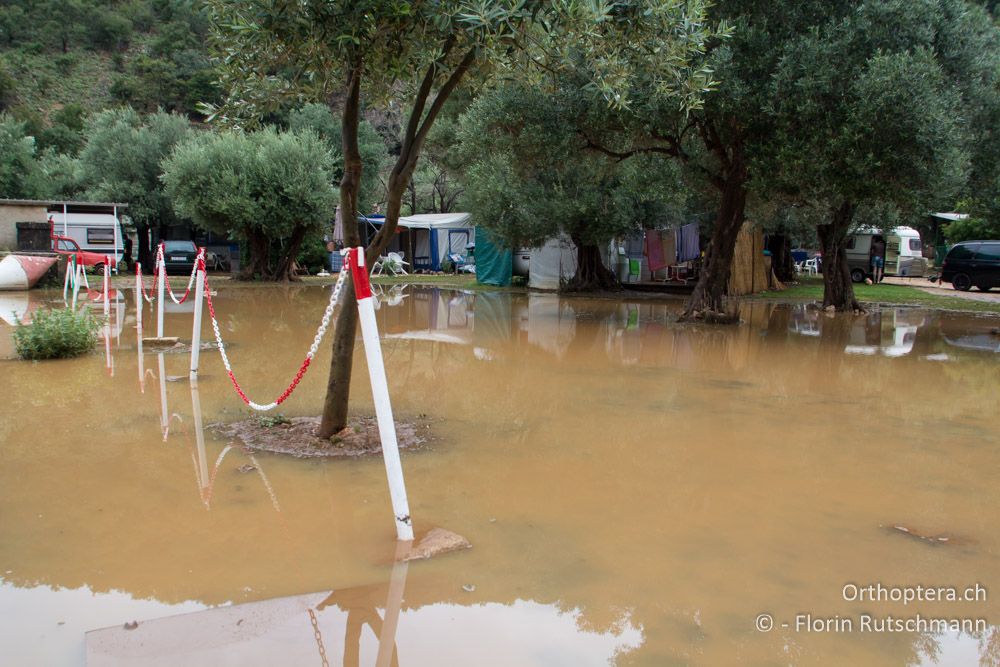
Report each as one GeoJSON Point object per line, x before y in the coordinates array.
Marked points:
{"type": "Point", "coordinates": [21, 272]}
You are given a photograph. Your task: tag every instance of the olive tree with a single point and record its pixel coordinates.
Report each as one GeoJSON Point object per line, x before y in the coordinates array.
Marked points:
{"type": "Point", "coordinates": [122, 161]}
{"type": "Point", "coordinates": [267, 188]}
{"type": "Point", "coordinates": [337, 51]}
{"type": "Point", "coordinates": [866, 113]}
{"type": "Point", "coordinates": [529, 176]}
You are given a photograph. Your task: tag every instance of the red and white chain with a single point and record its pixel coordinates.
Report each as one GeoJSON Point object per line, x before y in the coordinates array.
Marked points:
{"type": "Point", "coordinates": [320, 332]}
{"type": "Point", "coordinates": [150, 297]}
{"type": "Point", "coordinates": [166, 278]}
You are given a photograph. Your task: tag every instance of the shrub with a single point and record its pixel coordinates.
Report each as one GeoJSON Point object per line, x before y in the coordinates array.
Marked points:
{"type": "Point", "coordinates": [56, 334]}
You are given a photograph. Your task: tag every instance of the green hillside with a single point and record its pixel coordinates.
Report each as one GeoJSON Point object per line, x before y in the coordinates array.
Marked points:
{"type": "Point", "coordinates": [93, 55]}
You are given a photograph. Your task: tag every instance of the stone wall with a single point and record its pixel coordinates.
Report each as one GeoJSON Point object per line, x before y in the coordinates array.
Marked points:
{"type": "Point", "coordinates": [11, 214]}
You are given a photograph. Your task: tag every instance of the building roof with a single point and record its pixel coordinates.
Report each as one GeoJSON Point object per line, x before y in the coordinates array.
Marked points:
{"type": "Point", "coordinates": [53, 202]}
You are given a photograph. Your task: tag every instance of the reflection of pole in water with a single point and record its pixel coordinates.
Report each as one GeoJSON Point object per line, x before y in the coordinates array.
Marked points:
{"type": "Point", "coordinates": [109, 361]}
{"type": "Point", "coordinates": [164, 419]}
{"type": "Point", "coordinates": [199, 435]}
{"type": "Point", "coordinates": [393, 603]}
{"type": "Point", "coordinates": [138, 346]}
{"type": "Point", "coordinates": [360, 604]}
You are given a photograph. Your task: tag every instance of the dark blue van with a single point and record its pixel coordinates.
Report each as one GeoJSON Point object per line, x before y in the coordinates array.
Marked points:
{"type": "Point", "coordinates": [972, 263]}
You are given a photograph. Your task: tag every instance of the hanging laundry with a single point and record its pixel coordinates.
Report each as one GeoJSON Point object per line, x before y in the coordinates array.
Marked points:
{"type": "Point", "coordinates": [654, 251]}
{"type": "Point", "coordinates": [688, 246]}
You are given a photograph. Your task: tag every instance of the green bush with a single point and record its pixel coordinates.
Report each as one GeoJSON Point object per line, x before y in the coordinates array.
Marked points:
{"type": "Point", "coordinates": [56, 334]}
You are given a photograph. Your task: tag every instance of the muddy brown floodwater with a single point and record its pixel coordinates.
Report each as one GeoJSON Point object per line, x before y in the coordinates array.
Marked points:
{"type": "Point", "coordinates": [637, 491]}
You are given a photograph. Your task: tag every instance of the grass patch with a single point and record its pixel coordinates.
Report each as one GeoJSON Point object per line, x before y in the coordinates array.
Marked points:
{"type": "Point", "coordinates": [56, 334]}
{"type": "Point", "coordinates": [812, 288]}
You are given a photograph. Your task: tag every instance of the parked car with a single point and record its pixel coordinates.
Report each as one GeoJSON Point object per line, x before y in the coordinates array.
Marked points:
{"type": "Point", "coordinates": [67, 246]}
{"type": "Point", "coordinates": [179, 256]}
{"type": "Point", "coordinates": [99, 234]}
{"type": "Point", "coordinates": [972, 263]}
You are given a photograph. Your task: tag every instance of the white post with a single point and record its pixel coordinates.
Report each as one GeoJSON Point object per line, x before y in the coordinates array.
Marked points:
{"type": "Point", "coordinates": [69, 270]}
{"type": "Point", "coordinates": [107, 284]}
{"type": "Point", "coordinates": [199, 296]}
{"type": "Point", "coordinates": [380, 392]}
{"type": "Point", "coordinates": [161, 269]}
{"type": "Point", "coordinates": [138, 295]}
{"type": "Point", "coordinates": [114, 235]}
{"type": "Point", "coordinates": [76, 281]}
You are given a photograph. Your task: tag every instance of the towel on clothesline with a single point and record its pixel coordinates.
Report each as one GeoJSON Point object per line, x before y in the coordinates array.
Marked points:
{"type": "Point", "coordinates": [654, 251]}
{"type": "Point", "coordinates": [688, 246]}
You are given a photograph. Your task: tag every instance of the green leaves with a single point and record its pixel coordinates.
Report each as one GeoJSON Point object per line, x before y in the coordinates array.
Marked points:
{"type": "Point", "coordinates": [237, 183]}
{"type": "Point", "coordinates": [56, 334]}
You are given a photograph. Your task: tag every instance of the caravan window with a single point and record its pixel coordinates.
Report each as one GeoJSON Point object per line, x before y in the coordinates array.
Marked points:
{"type": "Point", "coordinates": [915, 244]}
{"type": "Point", "coordinates": [850, 243]}
{"type": "Point", "coordinates": [100, 236]}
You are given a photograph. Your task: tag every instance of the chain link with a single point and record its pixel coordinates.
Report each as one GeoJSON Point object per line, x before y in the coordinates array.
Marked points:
{"type": "Point", "coordinates": [313, 349]}
{"type": "Point", "coordinates": [319, 638]}
{"type": "Point", "coordinates": [166, 277]}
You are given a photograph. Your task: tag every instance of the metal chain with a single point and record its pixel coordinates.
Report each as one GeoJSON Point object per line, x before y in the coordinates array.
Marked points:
{"type": "Point", "coordinates": [319, 638]}
{"type": "Point", "coordinates": [142, 285]}
{"type": "Point", "coordinates": [166, 277]}
{"type": "Point", "coordinates": [313, 349]}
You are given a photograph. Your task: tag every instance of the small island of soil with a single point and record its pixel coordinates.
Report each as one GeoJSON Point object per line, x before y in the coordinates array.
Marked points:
{"type": "Point", "coordinates": [296, 436]}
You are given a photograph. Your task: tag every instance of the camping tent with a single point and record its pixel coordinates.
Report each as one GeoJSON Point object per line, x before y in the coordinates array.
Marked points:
{"type": "Point", "coordinates": [552, 264]}
{"type": "Point", "coordinates": [435, 236]}
{"type": "Point", "coordinates": [493, 264]}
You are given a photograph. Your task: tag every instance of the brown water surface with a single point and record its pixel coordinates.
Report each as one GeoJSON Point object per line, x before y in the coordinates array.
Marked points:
{"type": "Point", "coordinates": [636, 491]}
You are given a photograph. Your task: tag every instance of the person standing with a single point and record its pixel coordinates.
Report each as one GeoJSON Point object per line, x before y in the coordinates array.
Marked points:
{"type": "Point", "coordinates": [877, 259]}
{"type": "Point", "coordinates": [127, 255]}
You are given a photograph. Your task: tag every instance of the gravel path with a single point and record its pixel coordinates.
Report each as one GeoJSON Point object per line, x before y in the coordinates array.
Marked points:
{"type": "Point", "coordinates": [944, 289]}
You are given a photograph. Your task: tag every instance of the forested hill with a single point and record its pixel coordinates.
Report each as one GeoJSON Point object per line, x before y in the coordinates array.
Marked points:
{"type": "Point", "coordinates": [63, 59]}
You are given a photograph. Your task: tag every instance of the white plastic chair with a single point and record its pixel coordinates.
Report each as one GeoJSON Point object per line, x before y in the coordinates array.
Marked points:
{"type": "Point", "coordinates": [394, 264]}
{"type": "Point", "coordinates": [811, 266]}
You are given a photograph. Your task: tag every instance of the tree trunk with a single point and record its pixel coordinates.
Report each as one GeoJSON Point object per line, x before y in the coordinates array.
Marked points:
{"type": "Point", "coordinates": [258, 247]}
{"type": "Point", "coordinates": [714, 277]}
{"type": "Point", "coordinates": [338, 388]}
{"type": "Point", "coordinates": [591, 274]}
{"type": "Point", "coordinates": [838, 289]}
{"type": "Point", "coordinates": [287, 260]}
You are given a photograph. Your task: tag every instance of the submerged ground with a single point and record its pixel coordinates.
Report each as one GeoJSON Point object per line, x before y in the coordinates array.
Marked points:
{"type": "Point", "coordinates": [636, 490]}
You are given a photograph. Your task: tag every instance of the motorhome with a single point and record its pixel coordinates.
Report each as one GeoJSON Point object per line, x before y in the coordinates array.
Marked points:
{"type": "Point", "coordinates": [92, 229]}
{"type": "Point", "coordinates": [903, 253]}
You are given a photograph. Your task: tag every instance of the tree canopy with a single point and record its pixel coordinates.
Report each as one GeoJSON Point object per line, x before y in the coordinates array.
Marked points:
{"type": "Point", "coordinates": [529, 176]}
{"type": "Point", "coordinates": [268, 188]}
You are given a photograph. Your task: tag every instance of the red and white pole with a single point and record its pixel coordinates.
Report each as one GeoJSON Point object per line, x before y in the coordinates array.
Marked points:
{"type": "Point", "coordinates": [380, 392]}
{"type": "Point", "coordinates": [199, 297]}
{"type": "Point", "coordinates": [160, 271]}
{"type": "Point", "coordinates": [138, 295]}
{"type": "Point", "coordinates": [107, 284]}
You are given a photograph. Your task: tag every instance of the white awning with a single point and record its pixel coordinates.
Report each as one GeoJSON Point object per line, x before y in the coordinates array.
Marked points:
{"type": "Point", "coordinates": [436, 221]}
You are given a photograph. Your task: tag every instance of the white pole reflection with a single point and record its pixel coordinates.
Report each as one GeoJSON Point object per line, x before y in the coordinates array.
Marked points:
{"type": "Point", "coordinates": [393, 603]}
{"type": "Point", "coordinates": [199, 437]}
{"type": "Point", "coordinates": [164, 418]}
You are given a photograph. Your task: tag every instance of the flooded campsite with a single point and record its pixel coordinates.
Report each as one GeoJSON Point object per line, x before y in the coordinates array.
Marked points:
{"type": "Point", "coordinates": [637, 491]}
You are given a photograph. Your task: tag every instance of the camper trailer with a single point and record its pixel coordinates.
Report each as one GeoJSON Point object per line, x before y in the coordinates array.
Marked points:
{"type": "Point", "coordinates": [92, 229]}
{"type": "Point", "coordinates": [903, 253]}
